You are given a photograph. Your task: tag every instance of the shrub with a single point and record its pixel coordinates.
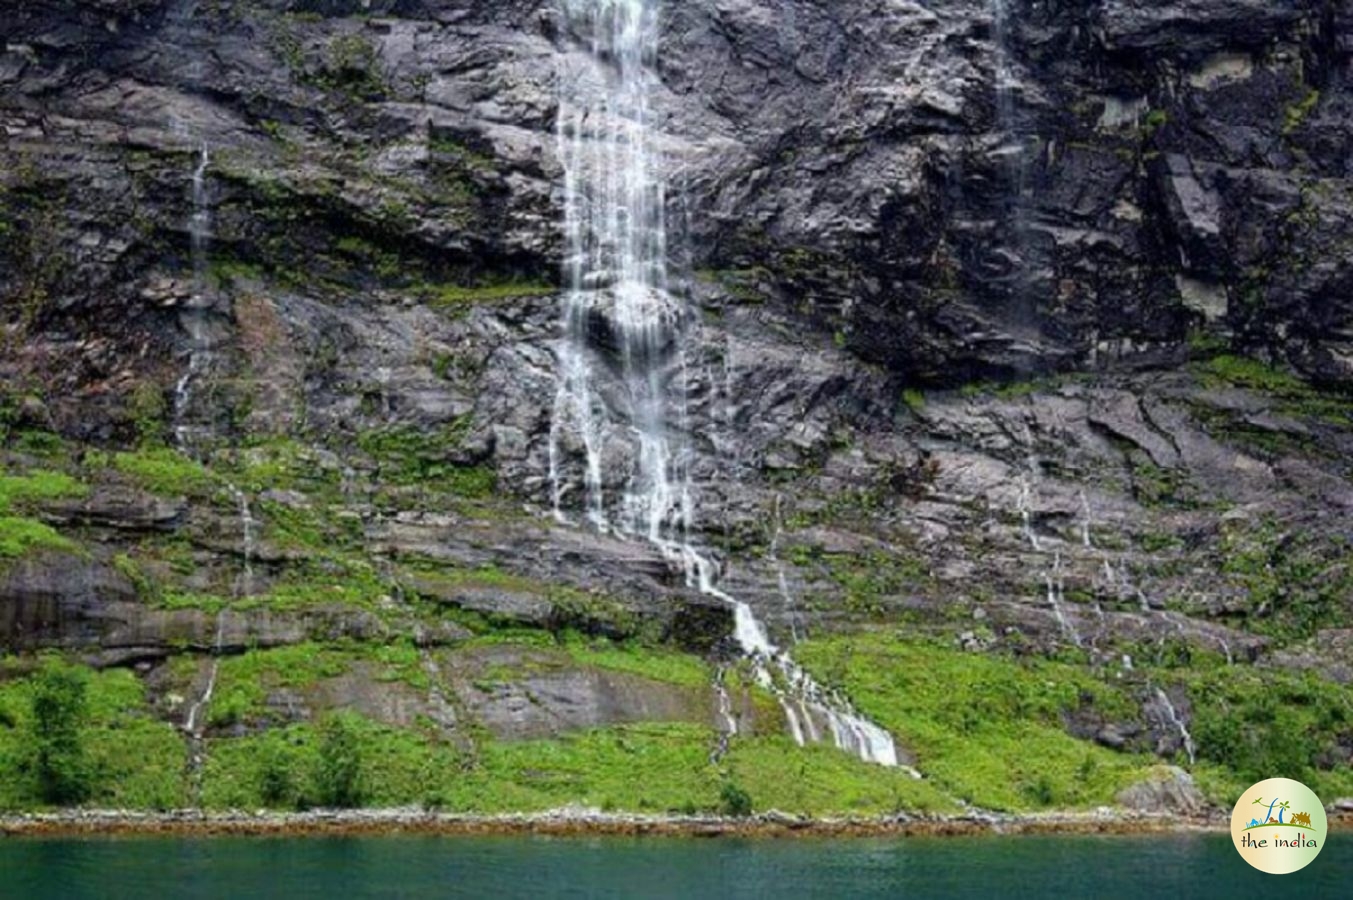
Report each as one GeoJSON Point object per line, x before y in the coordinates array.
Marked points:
{"type": "Point", "coordinates": [277, 786]}
{"type": "Point", "coordinates": [59, 710]}
{"type": "Point", "coordinates": [339, 773]}
{"type": "Point", "coordinates": [734, 801]}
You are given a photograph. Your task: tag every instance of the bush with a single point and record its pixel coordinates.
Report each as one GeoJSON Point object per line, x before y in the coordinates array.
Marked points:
{"type": "Point", "coordinates": [339, 774]}
{"type": "Point", "coordinates": [734, 801]}
{"type": "Point", "coordinates": [277, 786]}
{"type": "Point", "coordinates": [59, 710]}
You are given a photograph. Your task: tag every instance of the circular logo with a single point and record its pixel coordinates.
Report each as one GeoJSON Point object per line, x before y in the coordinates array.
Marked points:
{"type": "Point", "coordinates": [1279, 826]}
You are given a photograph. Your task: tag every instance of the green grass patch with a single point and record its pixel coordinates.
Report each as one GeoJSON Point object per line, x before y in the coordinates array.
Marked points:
{"type": "Point", "coordinates": [458, 298]}
{"type": "Point", "coordinates": [160, 470]}
{"type": "Point", "coordinates": [821, 780]}
{"type": "Point", "coordinates": [986, 729]}
{"type": "Point", "coordinates": [654, 663]}
{"type": "Point", "coordinates": [23, 490]}
{"type": "Point", "coordinates": [20, 536]}
{"type": "Point", "coordinates": [640, 768]}
{"type": "Point", "coordinates": [1242, 371]}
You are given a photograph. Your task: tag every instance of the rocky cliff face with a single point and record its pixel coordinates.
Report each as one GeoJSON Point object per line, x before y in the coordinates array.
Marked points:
{"type": "Point", "coordinates": [1023, 325]}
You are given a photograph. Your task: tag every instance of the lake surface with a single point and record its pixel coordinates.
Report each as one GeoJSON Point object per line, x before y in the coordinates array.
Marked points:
{"type": "Point", "coordinates": [359, 867]}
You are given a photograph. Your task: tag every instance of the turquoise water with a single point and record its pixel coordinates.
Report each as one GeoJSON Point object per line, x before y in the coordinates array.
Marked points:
{"type": "Point", "coordinates": [340, 868]}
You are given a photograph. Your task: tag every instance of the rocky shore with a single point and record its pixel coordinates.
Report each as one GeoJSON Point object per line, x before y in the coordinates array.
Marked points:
{"type": "Point", "coordinates": [582, 821]}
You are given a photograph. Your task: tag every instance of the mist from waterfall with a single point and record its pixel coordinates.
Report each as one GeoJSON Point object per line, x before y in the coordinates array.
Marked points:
{"type": "Point", "coordinates": [618, 440]}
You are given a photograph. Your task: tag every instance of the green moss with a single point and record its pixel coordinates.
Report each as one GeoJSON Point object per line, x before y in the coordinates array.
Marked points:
{"type": "Point", "coordinates": [745, 285]}
{"type": "Point", "coordinates": [36, 486]}
{"type": "Point", "coordinates": [868, 581]}
{"type": "Point", "coordinates": [1154, 120]}
{"type": "Point", "coordinates": [447, 146]}
{"type": "Point", "coordinates": [457, 297]}
{"type": "Point", "coordinates": [914, 400]}
{"type": "Point", "coordinates": [1296, 583]}
{"type": "Point", "coordinates": [20, 536]}
{"type": "Point", "coordinates": [1298, 112]}
{"type": "Point", "coordinates": [159, 470]}
{"type": "Point", "coordinates": [1242, 371]}
{"type": "Point", "coordinates": [420, 457]}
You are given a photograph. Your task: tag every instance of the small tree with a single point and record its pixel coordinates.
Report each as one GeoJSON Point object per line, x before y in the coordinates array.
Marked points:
{"type": "Point", "coordinates": [338, 780]}
{"type": "Point", "coordinates": [59, 711]}
{"type": "Point", "coordinates": [276, 784]}
{"type": "Point", "coordinates": [734, 801]}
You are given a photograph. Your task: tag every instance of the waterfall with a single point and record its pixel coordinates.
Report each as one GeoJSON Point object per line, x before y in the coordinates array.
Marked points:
{"type": "Point", "coordinates": [1053, 577]}
{"type": "Point", "coordinates": [782, 580]}
{"type": "Point", "coordinates": [620, 423]}
{"type": "Point", "coordinates": [192, 319]}
{"type": "Point", "coordinates": [1057, 599]}
{"type": "Point", "coordinates": [1011, 150]}
{"type": "Point", "coordinates": [1026, 512]}
{"type": "Point", "coordinates": [1173, 715]}
{"type": "Point", "coordinates": [1004, 72]}
{"type": "Point", "coordinates": [244, 586]}
{"type": "Point", "coordinates": [191, 725]}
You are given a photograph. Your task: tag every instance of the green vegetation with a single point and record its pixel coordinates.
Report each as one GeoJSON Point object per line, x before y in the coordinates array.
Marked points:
{"type": "Point", "coordinates": [989, 730]}
{"type": "Point", "coordinates": [734, 801]}
{"type": "Point", "coordinates": [1296, 583]}
{"type": "Point", "coordinates": [747, 286]}
{"type": "Point", "coordinates": [1243, 371]}
{"type": "Point", "coordinates": [985, 729]}
{"type": "Point", "coordinates": [161, 470]}
{"type": "Point", "coordinates": [650, 767]}
{"type": "Point", "coordinates": [107, 748]}
{"type": "Point", "coordinates": [419, 457]}
{"type": "Point", "coordinates": [1251, 722]}
{"type": "Point", "coordinates": [458, 298]}
{"type": "Point", "coordinates": [59, 711]}
{"type": "Point", "coordinates": [338, 775]}
{"type": "Point", "coordinates": [20, 536]}
{"type": "Point", "coordinates": [654, 663]}
{"type": "Point", "coordinates": [1298, 112]}
{"type": "Point", "coordinates": [36, 486]}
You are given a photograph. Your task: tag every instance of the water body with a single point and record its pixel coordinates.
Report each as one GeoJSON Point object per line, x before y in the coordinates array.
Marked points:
{"type": "Point", "coordinates": [1196, 866]}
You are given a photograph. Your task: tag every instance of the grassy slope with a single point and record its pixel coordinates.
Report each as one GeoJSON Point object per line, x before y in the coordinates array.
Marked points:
{"type": "Point", "coordinates": [986, 729]}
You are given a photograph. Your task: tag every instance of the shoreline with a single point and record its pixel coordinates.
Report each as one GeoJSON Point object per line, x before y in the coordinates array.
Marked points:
{"type": "Point", "coordinates": [584, 823]}
{"type": "Point", "coordinates": [589, 823]}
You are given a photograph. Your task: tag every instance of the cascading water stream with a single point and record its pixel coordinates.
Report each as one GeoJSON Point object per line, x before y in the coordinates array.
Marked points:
{"type": "Point", "coordinates": [623, 334]}
{"type": "Point", "coordinates": [1011, 152]}
{"type": "Point", "coordinates": [192, 318]}
{"type": "Point", "coordinates": [1173, 716]}
{"type": "Point", "coordinates": [244, 586]}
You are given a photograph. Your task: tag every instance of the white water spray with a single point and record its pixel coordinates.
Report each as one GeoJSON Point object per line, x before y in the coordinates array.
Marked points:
{"type": "Point", "coordinates": [244, 586]}
{"type": "Point", "coordinates": [1173, 715]}
{"type": "Point", "coordinates": [622, 323]}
